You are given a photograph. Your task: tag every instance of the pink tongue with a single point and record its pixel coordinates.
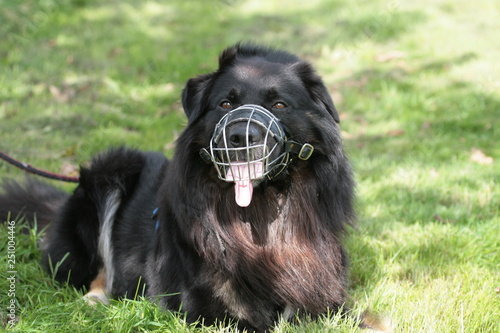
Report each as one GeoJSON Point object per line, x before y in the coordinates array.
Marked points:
{"type": "Point", "coordinates": [242, 175]}
{"type": "Point", "coordinates": [243, 191]}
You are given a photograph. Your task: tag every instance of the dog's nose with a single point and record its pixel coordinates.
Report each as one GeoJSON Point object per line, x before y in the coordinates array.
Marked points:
{"type": "Point", "coordinates": [244, 134]}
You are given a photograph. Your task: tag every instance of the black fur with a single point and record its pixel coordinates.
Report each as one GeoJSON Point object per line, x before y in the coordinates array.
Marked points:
{"type": "Point", "coordinates": [281, 255]}
{"type": "Point", "coordinates": [23, 200]}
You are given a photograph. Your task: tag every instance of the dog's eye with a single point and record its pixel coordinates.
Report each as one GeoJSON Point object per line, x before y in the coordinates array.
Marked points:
{"type": "Point", "coordinates": [226, 105]}
{"type": "Point", "coordinates": [279, 105]}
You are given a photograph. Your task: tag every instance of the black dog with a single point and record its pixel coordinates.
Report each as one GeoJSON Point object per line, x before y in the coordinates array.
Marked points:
{"type": "Point", "coordinates": [251, 210]}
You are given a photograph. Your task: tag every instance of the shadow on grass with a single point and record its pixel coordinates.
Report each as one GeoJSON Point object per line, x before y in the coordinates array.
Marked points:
{"type": "Point", "coordinates": [431, 124]}
{"type": "Point", "coordinates": [427, 206]}
{"type": "Point", "coordinates": [421, 160]}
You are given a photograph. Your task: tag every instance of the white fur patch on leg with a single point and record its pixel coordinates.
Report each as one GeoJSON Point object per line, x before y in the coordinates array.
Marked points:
{"type": "Point", "coordinates": [102, 285]}
{"type": "Point", "coordinates": [105, 245]}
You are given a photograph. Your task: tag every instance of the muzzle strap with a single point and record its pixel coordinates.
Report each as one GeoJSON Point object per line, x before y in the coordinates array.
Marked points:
{"type": "Point", "coordinates": [205, 155]}
{"type": "Point", "coordinates": [303, 151]}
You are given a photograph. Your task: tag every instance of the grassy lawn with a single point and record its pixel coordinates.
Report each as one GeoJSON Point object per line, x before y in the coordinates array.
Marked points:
{"type": "Point", "coordinates": [418, 88]}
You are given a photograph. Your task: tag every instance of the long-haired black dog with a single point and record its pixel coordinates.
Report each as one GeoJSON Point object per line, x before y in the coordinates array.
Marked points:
{"type": "Point", "coordinates": [244, 223]}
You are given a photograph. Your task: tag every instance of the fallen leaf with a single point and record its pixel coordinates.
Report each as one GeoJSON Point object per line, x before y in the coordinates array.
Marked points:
{"type": "Point", "coordinates": [69, 170]}
{"type": "Point", "coordinates": [115, 51]}
{"type": "Point", "coordinates": [70, 151]}
{"type": "Point", "coordinates": [347, 135]}
{"type": "Point", "coordinates": [61, 95]}
{"type": "Point", "coordinates": [479, 157]}
{"type": "Point", "coordinates": [168, 87]}
{"type": "Point", "coordinates": [442, 220]}
{"type": "Point", "coordinates": [426, 125]}
{"type": "Point", "coordinates": [391, 55]}
{"type": "Point", "coordinates": [396, 132]}
{"type": "Point", "coordinates": [433, 173]}
{"type": "Point", "coordinates": [337, 97]}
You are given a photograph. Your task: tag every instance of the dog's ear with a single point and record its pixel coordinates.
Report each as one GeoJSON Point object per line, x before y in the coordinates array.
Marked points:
{"type": "Point", "coordinates": [194, 94]}
{"type": "Point", "coordinates": [228, 56]}
{"type": "Point", "coordinates": [316, 87]}
{"type": "Point", "coordinates": [196, 90]}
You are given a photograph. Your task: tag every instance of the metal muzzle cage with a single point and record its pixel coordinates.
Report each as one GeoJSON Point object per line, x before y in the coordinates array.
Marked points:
{"type": "Point", "coordinates": [249, 144]}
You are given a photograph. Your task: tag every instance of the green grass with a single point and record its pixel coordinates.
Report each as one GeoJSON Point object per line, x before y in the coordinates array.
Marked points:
{"type": "Point", "coordinates": [418, 89]}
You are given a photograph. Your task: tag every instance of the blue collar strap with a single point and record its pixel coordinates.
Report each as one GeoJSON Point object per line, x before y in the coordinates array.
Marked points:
{"type": "Point", "coordinates": [155, 217]}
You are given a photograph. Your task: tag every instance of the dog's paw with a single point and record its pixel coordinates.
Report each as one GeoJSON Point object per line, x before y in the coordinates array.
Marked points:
{"type": "Point", "coordinates": [375, 323]}
{"type": "Point", "coordinates": [95, 297]}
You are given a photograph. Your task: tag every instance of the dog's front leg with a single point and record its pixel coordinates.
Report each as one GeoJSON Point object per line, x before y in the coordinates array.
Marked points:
{"type": "Point", "coordinates": [97, 292]}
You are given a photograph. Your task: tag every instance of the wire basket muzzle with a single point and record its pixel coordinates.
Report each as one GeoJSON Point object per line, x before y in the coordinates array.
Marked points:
{"type": "Point", "coordinates": [248, 144]}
